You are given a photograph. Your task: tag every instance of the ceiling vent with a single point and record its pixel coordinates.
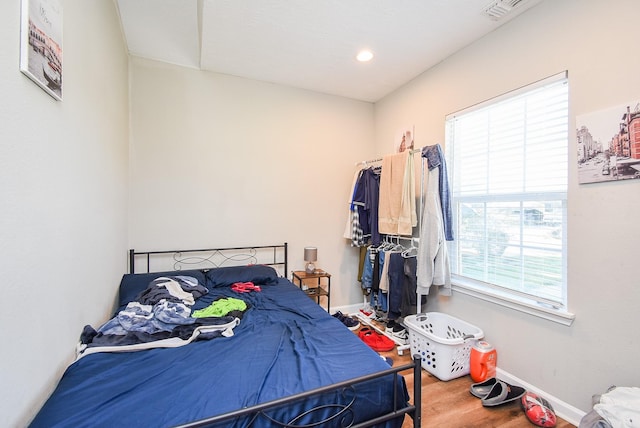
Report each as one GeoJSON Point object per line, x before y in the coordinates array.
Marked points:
{"type": "Point", "coordinates": [499, 8]}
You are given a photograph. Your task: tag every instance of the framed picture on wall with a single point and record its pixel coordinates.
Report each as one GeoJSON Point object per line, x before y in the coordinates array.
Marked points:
{"type": "Point", "coordinates": [41, 44]}
{"type": "Point", "coordinates": [404, 139]}
{"type": "Point", "coordinates": [608, 144]}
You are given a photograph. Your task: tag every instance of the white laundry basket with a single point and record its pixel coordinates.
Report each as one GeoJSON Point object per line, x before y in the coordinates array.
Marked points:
{"type": "Point", "coordinates": [443, 343]}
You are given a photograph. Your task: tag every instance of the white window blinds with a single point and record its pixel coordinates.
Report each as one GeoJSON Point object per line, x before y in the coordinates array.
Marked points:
{"type": "Point", "coordinates": [508, 161]}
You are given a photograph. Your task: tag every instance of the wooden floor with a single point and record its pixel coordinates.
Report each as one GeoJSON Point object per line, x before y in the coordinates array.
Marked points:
{"type": "Point", "coordinates": [449, 404]}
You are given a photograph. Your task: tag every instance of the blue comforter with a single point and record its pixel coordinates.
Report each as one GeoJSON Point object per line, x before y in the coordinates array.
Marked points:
{"type": "Point", "coordinates": [284, 344]}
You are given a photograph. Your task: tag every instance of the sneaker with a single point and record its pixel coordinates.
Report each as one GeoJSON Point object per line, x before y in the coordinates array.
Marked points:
{"type": "Point", "coordinates": [367, 313]}
{"type": "Point", "coordinates": [376, 341]}
{"type": "Point", "coordinates": [380, 316]}
{"type": "Point", "coordinates": [391, 324]}
{"type": "Point", "coordinates": [349, 322]}
{"type": "Point", "coordinates": [400, 333]}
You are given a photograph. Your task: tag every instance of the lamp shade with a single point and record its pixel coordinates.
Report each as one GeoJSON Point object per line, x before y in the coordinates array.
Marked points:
{"type": "Point", "coordinates": [310, 254]}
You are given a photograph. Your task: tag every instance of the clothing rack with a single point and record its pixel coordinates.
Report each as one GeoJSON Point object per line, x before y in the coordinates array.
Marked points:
{"type": "Point", "coordinates": [397, 238]}
{"type": "Point", "coordinates": [412, 238]}
{"type": "Point", "coordinates": [367, 162]}
{"type": "Point", "coordinates": [422, 161]}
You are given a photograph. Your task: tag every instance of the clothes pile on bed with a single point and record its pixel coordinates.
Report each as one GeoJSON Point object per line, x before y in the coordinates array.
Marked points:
{"type": "Point", "coordinates": [161, 317]}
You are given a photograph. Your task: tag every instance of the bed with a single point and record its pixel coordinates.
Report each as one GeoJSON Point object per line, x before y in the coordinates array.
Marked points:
{"type": "Point", "coordinates": [281, 361]}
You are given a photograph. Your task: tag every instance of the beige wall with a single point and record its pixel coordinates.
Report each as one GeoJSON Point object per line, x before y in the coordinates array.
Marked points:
{"type": "Point", "coordinates": [594, 41]}
{"type": "Point", "coordinates": [63, 190]}
{"type": "Point", "coordinates": [218, 160]}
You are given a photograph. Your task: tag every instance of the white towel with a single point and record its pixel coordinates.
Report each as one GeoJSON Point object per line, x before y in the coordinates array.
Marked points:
{"type": "Point", "coordinates": [408, 217]}
{"type": "Point", "coordinates": [397, 205]}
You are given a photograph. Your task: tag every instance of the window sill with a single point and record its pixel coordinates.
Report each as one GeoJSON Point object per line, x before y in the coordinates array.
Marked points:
{"type": "Point", "coordinates": [517, 303]}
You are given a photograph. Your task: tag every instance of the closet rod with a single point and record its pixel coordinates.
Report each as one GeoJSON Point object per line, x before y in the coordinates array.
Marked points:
{"type": "Point", "coordinates": [405, 238]}
{"type": "Point", "coordinates": [380, 159]}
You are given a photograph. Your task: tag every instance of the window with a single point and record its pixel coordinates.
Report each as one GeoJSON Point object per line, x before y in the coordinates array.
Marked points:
{"type": "Point", "coordinates": [508, 160]}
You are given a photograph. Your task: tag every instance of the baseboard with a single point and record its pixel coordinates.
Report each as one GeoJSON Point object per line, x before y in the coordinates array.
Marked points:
{"type": "Point", "coordinates": [347, 309]}
{"type": "Point", "coordinates": [564, 410]}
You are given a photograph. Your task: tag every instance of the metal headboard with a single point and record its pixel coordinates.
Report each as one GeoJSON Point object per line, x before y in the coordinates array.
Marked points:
{"type": "Point", "coordinates": [209, 258]}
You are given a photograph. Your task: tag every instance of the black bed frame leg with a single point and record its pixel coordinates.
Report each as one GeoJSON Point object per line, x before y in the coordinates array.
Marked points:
{"type": "Point", "coordinates": [132, 261]}
{"type": "Point", "coordinates": [417, 391]}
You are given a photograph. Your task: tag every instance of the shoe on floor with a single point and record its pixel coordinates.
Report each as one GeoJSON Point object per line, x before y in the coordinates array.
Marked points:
{"type": "Point", "coordinates": [349, 322]}
{"type": "Point", "coordinates": [502, 393]}
{"type": "Point", "coordinates": [391, 324]}
{"type": "Point", "coordinates": [367, 313]}
{"type": "Point", "coordinates": [400, 333]}
{"type": "Point", "coordinates": [376, 341]}
{"type": "Point", "coordinates": [538, 410]}
{"type": "Point", "coordinates": [482, 389]}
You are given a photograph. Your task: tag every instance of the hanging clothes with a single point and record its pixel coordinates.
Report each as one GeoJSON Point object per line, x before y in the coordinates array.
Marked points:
{"type": "Point", "coordinates": [388, 284]}
{"type": "Point", "coordinates": [396, 284]}
{"type": "Point", "coordinates": [371, 279]}
{"type": "Point", "coordinates": [348, 227]}
{"type": "Point", "coordinates": [365, 202]}
{"type": "Point", "coordinates": [397, 206]}
{"type": "Point", "coordinates": [361, 261]}
{"type": "Point", "coordinates": [409, 293]}
{"type": "Point", "coordinates": [435, 159]}
{"type": "Point", "coordinates": [433, 257]}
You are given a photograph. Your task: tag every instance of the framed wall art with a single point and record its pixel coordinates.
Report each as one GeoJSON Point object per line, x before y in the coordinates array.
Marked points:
{"type": "Point", "coordinates": [608, 144]}
{"type": "Point", "coordinates": [41, 44]}
{"type": "Point", "coordinates": [404, 139]}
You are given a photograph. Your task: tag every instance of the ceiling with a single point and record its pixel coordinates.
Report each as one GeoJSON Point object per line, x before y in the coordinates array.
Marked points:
{"type": "Point", "coordinates": [312, 44]}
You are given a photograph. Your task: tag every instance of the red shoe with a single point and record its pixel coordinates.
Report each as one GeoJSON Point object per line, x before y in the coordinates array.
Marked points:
{"type": "Point", "coordinates": [538, 410]}
{"type": "Point", "coordinates": [376, 341]}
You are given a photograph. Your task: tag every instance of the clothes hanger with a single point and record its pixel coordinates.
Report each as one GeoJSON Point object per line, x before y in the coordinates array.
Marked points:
{"type": "Point", "coordinates": [412, 251]}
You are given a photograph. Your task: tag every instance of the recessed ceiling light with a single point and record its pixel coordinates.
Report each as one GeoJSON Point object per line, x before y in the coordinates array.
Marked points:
{"type": "Point", "coordinates": [364, 56]}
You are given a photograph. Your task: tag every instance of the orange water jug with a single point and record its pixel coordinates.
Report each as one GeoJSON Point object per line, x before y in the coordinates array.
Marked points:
{"type": "Point", "coordinates": [483, 361]}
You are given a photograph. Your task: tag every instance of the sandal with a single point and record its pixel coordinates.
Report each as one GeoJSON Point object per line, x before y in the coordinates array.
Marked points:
{"type": "Point", "coordinates": [502, 393]}
{"type": "Point", "coordinates": [482, 389]}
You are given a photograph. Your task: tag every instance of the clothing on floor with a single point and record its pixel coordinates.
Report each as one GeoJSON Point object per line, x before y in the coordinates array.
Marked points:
{"type": "Point", "coordinates": [620, 406]}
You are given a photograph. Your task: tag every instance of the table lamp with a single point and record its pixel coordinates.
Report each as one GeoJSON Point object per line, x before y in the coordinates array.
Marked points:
{"type": "Point", "coordinates": [310, 256]}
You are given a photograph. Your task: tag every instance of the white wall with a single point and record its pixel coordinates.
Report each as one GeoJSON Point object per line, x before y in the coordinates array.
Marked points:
{"type": "Point", "coordinates": [595, 41]}
{"type": "Point", "coordinates": [63, 178]}
{"type": "Point", "coordinates": [218, 160]}
{"type": "Point", "coordinates": [246, 162]}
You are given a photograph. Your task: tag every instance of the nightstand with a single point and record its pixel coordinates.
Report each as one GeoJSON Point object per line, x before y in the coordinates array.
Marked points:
{"type": "Point", "coordinates": [321, 288]}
